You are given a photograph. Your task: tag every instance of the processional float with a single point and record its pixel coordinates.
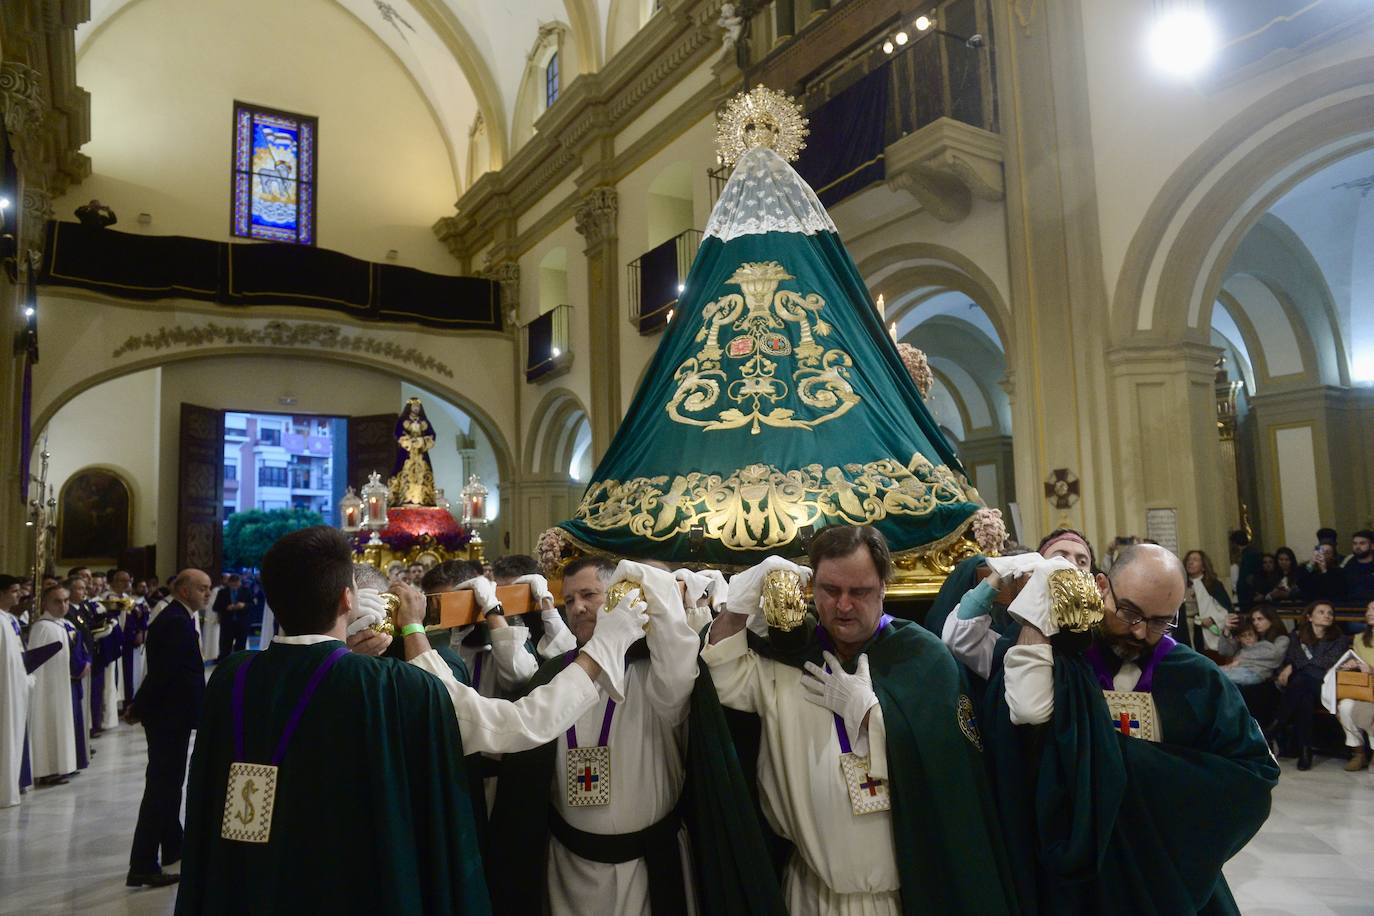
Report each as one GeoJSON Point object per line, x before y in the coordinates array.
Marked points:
{"type": "Point", "coordinates": [776, 403]}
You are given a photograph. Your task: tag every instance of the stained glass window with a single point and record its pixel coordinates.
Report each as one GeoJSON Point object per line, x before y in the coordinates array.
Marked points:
{"type": "Point", "coordinates": [551, 81]}
{"type": "Point", "coordinates": [274, 175]}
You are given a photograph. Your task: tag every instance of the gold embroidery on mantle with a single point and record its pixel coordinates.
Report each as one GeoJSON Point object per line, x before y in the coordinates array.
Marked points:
{"type": "Point", "coordinates": [761, 319]}
{"type": "Point", "coordinates": [761, 507]}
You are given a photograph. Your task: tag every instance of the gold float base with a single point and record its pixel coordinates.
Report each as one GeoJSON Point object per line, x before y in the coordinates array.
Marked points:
{"type": "Point", "coordinates": [427, 553]}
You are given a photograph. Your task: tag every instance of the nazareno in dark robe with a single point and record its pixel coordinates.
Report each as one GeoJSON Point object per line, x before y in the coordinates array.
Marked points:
{"type": "Point", "coordinates": [372, 812]}
{"type": "Point", "coordinates": [1098, 822]}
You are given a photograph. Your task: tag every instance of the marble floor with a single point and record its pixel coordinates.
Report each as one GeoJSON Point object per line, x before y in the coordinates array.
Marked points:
{"type": "Point", "coordinates": [66, 849]}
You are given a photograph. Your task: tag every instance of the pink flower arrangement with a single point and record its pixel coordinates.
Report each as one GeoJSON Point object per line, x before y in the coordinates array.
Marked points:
{"type": "Point", "coordinates": [553, 547]}
{"type": "Point", "coordinates": [989, 530]}
{"type": "Point", "coordinates": [916, 363]}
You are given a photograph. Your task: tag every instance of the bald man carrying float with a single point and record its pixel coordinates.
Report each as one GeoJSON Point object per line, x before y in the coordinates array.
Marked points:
{"type": "Point", "coordinates": [1127, 768]}
{"type": "Point", "coordinates": [168, 705]}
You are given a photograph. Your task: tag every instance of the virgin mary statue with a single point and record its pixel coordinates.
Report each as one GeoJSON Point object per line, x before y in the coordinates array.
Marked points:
{"type": "Point", "coordinates": [412, 481]}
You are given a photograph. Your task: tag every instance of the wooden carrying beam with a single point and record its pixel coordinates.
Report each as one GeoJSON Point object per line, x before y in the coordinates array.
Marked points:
{"type": "Point", "coordinates": [444, 610]}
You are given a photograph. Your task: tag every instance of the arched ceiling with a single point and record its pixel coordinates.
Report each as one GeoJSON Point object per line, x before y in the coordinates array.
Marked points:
{"type": "Point", "coordinates": [465, 56]}
{"type": "Point", "coordinates": [1332, 212]}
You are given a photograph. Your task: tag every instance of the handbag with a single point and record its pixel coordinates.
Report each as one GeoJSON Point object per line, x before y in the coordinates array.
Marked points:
{"type": "Point", "coordinates": [1355, 685]}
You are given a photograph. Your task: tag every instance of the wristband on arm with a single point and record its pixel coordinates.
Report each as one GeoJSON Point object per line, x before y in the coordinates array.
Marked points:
{"type": "Point", "coordinates": [410, 628]}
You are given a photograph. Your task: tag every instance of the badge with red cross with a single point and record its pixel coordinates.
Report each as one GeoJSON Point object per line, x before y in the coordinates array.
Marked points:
{"type": "Point", "coordinates": [589, 776]}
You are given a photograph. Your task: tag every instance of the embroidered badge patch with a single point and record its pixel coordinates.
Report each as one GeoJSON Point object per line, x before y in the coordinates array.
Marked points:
{"type": "Point", "coordinates": [589, 776]}
{"type": "Point", "coordinates": [867, 793]}
{"type": "Point", "coordinates": [741, 346]}
{"type": "Point", "coordinates": [968, 722]}
{"type": "Point", "coordinates": [1133, 714]}
{"type": "Point", "coordinates": [248, 801]}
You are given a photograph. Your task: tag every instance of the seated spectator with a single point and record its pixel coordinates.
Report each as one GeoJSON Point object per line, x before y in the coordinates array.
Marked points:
{"type": "Point", "coordinates": [1357, 716]}
{"type": "Point", "coordinates": [1266, 578]}
{"type": "Point", "coordinates": [1358, 569]}
{"type": "Point", "coordinates": [1255, 645]}
{"type": "Point", "coordinates": [1330, 536]}
{"type": "Point", "coordinates": [1318, 644]}
{"type": "Point", "coordinates": [1286, 584]}
{"type": "Point", "coordinates": [1321, 578]}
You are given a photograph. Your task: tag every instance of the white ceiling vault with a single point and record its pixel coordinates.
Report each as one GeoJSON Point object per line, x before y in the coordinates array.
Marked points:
{"type": "Point", "coordinates": [465, 56]}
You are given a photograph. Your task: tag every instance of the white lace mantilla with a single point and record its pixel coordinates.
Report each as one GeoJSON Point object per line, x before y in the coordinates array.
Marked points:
{"type": "Point", "coordinates": [765, 194]}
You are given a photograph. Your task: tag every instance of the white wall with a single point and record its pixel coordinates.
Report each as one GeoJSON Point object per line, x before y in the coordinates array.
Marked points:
{"type": "Point", "coordinates": [114, 426]}
{"type": "Point", "coordinates": [164, 75]}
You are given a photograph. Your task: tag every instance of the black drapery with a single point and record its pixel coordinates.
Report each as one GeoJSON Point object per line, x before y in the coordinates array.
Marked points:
{"type": "Point", "coordinates": [658, 280]}
{"type": "Point", "coordinates": [153, 267]}
{"type": "Point", "coordinates": [844, 153]}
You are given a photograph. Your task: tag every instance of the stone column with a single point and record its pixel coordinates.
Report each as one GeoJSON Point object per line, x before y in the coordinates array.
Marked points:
{"type": "Point", "coordinates": [1061, 417]}
{"type": "Point", "coordinates": [22, 109]}
{"type": "Point", "coordinates": [1312, 462]}
{"type": "Point", "coordinates": [1168, 453]}
{"type": "Point", "coordinates": [596, 222]}
{"type": "Point", "coordinates": [995, 449]}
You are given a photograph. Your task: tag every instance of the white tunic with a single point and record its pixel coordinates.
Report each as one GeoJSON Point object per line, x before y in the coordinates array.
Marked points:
{"type": "Point", "coordinates": [14, 708]}
{"type": "Point", "coordinates": [506, 666]}
{"type": "Point", "coordinates": [52, 732]}
{"type": "Point", "coordinates": [502, 727]}
{"type": "Point", "coordinates": [209, 631]}
{"type": "Point", "coordinates": [844, 863]}
{"type": "Point", "coordinates": [648, 742]}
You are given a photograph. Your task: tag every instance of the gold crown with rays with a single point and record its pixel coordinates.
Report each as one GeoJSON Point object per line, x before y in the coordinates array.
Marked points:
{"type": "Point", "coordinates": [760, 117]}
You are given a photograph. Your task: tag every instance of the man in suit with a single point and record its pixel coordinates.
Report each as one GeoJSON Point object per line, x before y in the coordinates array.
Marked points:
{"type": "Point", "coordinates": [233, 610]}
{"type": "Point", "coordinates": [168, 704]}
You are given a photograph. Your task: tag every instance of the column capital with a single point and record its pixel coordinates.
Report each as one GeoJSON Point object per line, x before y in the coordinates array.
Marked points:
{"type": "Point", "coordinates": [21, 99]}
{"type": "Point", "coordinates": [507, 275]}
{"type": "Point", "coordinates": [596, 215]}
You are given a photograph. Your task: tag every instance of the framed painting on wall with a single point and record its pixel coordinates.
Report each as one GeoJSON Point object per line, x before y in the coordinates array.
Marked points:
{"type": "Point", "coordinates": [94, 517]}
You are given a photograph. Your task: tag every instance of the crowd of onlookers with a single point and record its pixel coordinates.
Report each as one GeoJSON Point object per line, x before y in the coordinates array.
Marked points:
{"type": "Point", "coordinates": [1282, 631]}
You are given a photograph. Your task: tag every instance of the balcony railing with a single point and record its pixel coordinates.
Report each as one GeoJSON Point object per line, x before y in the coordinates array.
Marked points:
{"type": "Point", "coordinates": [548, 343]}
{"type": "Point", "coordinates": [656, 280]}
{"type": "Point", "coordinates": [861, 97]}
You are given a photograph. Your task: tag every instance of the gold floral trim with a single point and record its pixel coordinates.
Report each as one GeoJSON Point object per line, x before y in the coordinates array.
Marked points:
{"type": "Point", "coordinates": [760, 507]}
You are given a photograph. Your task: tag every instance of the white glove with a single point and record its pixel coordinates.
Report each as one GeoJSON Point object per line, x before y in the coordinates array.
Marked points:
{"type": "Point", "coordinates": [849, 696]}
{"type": "Point", "coordinates": [615, 632]}
{"type": "Point", "coordinates": [657, 585]}
{"type": "Point", "coordinates": [1032, 605]}
{"type": "Point", "coordinates": [697, 585]}
{"type": "Point", "coordinates": [745, 595]}
{"type": "Point", "coordinates": [539, 586]}
{"type": "Point", "coordinates": [369, 609]}
{"type": "Point", "coordinates": [484, 590]}
{"type": "Point", "coordinates": [718, 588]}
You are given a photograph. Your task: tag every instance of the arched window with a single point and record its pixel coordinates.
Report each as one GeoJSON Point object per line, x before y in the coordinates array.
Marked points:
{"type": "Point", "coordinates": [551, 81]}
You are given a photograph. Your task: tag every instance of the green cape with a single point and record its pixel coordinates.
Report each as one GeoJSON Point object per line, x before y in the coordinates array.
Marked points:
{"type": "Point", "coordinates": [776, 400]}
{"type": "Point", "coordinates": [372, 785]}
{"type": "Point", "coordinates": [733, 871]}
{"type": "Point", "coordinates": [1101, 823]}
{"type": "Point", "coordinates": [944, 822]}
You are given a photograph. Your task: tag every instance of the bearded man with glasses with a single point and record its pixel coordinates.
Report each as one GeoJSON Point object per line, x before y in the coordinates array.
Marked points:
{"type": "Point", "coordinates": [1127, 768]}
